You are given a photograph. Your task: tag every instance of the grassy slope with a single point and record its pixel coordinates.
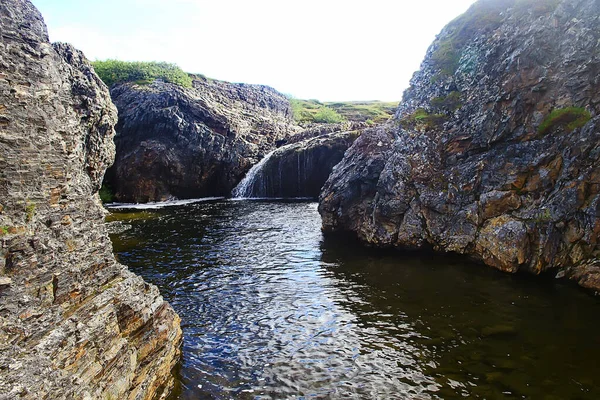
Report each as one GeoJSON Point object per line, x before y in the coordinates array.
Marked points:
{"type": "Point", "coordinates": [311, 111]}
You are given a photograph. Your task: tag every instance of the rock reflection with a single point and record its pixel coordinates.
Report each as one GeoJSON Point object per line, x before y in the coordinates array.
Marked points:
{"type": "Point", "coordinates": [271, 310]}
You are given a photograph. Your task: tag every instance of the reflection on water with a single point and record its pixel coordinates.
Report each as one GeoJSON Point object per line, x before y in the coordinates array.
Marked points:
{"type": "Point", "coordinates": [272, 310]}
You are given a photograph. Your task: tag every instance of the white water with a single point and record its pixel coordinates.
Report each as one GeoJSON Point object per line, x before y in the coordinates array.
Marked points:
{"type": "Point", "coordinates": [244, 189]}
{"type": "Point", "coordinates": [159, 204]}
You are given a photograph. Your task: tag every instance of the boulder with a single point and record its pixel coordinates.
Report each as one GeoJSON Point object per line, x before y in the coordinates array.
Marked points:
{"type": "Point", "coordinates": [494, 150]}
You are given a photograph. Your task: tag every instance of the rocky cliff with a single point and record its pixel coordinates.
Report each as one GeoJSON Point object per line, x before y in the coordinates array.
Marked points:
{"type": "Point", "coordinates": [74, 323]}
{"type": "Point", "coordinates": [298, 169]}
{"type": "Point", "coordinates": [494, 150]}
{"type": "Point", "coordinates": [192, 142]}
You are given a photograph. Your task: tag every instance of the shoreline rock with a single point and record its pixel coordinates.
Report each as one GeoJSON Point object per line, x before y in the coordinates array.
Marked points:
{"type": "Point", "coordinates": [494, 150]}
{"type": "Point", "coordinates": [74, 323]}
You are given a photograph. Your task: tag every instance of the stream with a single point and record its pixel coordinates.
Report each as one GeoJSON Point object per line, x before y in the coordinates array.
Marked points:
{"type": "Point", "coordinates": [271, 309]}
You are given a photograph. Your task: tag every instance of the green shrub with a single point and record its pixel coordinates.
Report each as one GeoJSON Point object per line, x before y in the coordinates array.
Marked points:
{"type": "Point", "coordinates": [115, 71]}
{"type": "Point", "coordinates": [106, 193]}
{"type": "Point", "coordinates": [569, 118]}
{"type": "Point", "coordinates": [327, 115]}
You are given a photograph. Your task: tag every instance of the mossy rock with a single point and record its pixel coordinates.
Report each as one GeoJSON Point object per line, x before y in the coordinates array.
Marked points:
{"type": "Point", "coordinates": [481, 18]}
{"type": "Point", "coordinates": [448, 103]}
{"type": "Point", "coordinates": [423, 120]}
{"type": "Point", "coordinates": [569, 119]}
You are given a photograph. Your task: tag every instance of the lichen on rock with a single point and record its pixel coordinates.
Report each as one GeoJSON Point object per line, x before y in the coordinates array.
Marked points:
{"type": "Point", "coordinates": [508, 173]}
{"type": "Point", "coordinates": [74, 323]}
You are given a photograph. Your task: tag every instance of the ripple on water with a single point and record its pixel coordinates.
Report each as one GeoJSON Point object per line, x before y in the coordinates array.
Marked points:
{"type": "Point", "coordinates": [271, 310]}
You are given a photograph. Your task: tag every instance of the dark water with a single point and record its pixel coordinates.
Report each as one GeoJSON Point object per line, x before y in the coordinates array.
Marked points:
{"type": "Point", "coordinates": [271, 310]}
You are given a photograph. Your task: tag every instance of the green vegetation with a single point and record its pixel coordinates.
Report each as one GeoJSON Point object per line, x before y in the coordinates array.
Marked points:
{"type": "Point", "coordinates": [483, 17]}
{"type": "Point", "coordinates": [421, 119]}
{"type": "Point", "coordinates": [3, 230]}
{"type": "Point", "coordinates": [449, 103]}
{"type": "Point", "coordinates": [327, 115]}
{"type": "Point", "coordinates": [106, 193]}
{"type": "Point", "coordinates": [30, 211]}
{"type": "Point", "coordinates": [569, 118]}
{"type": "Point", "coordinates": [364, 111]}
{"type": "Point", "coordinates": [115, 71]}
{"type": "Point", "coordinates": [543, 216]}
{"type": "Point", "coordinates": [314, 111]}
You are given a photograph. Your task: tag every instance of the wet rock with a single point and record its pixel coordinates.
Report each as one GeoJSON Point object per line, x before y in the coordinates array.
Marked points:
{"type": "Point", "coordinates": [299, 169]}
{"type": "Point", "coordinates": [192, 142]}
{"type": "Point", "coordinates": [493, 151]}
{"type": "Point", "coordinates": [74, 323]}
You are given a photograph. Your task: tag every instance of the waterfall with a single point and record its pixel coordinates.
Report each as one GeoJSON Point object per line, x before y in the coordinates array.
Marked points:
{"type": "Point", "coordinates": [245, 189]}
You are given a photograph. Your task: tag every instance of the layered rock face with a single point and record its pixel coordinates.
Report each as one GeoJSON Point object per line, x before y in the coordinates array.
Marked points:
{"type": "Point", "coordinates": [179, 142]}
{"type": "Point", "coordinates": [74, 323]}
{"type": "Point", "coordinates": [296, 170]}
{"type": "Point", "coordinates": [494, 150]}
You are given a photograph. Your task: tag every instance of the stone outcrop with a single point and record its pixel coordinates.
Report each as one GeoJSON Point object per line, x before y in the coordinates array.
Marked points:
{"type": "Point", "coordinates": [316, 130]}
{"type": "Point", "coordinates": [192, 142]}
{"type": "Point", "coordinates": [298, 169]}
{"type": "Point", "coordinates": [74, 323]}
{"type": "Point", "coordinates": [494, 150]}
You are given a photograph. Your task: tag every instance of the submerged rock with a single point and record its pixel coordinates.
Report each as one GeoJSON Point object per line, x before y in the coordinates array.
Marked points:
{"type": "Point", "coordinates": [494, 150]}
{"type": "Point", "coordinates": [192, 142]}
{"type": "Point", "coordinates": [74, 323]}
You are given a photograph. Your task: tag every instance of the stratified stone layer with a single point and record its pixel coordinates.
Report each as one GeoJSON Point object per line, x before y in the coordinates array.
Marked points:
{"type": "Point", "coordinates": [74, 323]}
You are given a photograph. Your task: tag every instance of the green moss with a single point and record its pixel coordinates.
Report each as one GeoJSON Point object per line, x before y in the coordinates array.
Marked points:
{"type": "Point", "coordinates": [4, 230]}
{"type": "Point", "coordinates": [421, 119]}
{"type": "Point", "coordinates": [482, 18]}
{"type": "Point", "coordinates": [106, 193]}
{"type": "Point", "coordinates": [115, 71]}
{"type": "Point", "coordinates": [569, 119]}
{"type": "Point", "coordinates": [30, 211]}
{"type": "Point", "coordinates": [543, 216]}
{"type": "Point", "coordinates": [449, 103]}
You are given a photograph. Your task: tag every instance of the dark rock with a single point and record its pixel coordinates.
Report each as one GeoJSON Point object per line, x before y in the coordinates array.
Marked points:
{"type": "Point", "coordinates": [466, 166]}
{"type": "Point", "coordinates": [296, 170]}
{"type": "Point", "coordinates": [74, 323]}
{"type": "Point", "coordinates": [192, 142]}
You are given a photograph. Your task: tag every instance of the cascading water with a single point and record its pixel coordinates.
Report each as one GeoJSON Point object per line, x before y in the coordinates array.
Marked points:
{"type": "Point", "coordinates": [296, 170]}
{"type": "Point", "coordinates": [245, 189]}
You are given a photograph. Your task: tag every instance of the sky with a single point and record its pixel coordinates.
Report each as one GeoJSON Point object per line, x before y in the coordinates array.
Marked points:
{"type": "Point", "coordinates": [329, 50]}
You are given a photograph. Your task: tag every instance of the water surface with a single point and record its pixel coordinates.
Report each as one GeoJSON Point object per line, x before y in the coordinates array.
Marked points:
{"type": "Point", "coordinates": [271, 310]}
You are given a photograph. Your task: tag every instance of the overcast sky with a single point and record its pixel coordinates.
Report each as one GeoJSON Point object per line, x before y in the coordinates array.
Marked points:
{"type": "Point", "coordinates": [317, 49]}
